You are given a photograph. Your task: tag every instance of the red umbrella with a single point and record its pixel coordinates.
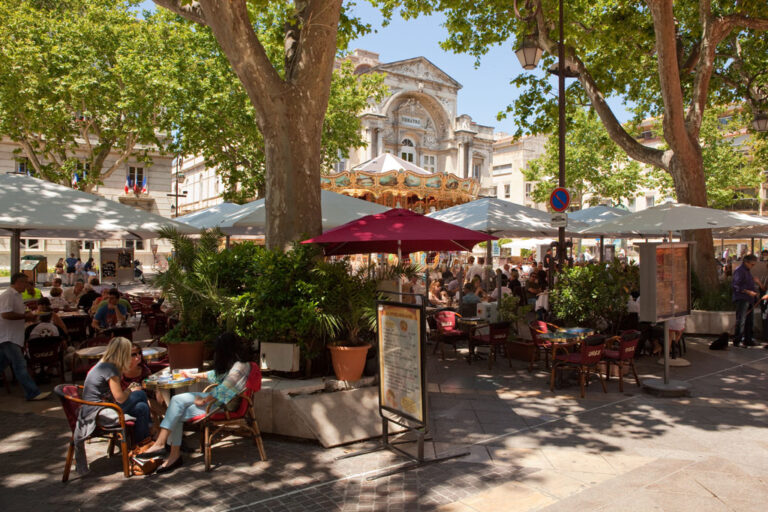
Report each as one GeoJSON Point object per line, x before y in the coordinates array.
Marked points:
{"type": "Point", "coordinates": [397, 231]}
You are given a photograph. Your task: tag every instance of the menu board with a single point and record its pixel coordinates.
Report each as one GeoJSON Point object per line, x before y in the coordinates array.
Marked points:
{"type": "Point", "coordinates": [116, 265]}
{"type": "Point", "coordinates": [401, 370]}
{"type": "Point", "coordinates": [665, 281]}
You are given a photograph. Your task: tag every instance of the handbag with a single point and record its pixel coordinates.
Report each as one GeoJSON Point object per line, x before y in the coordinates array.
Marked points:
{"type": "Point", "coordinates": [141, 467]}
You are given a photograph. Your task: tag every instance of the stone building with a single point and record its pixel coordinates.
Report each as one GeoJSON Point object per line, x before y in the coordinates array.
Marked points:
{"type": "Point", "coordinates": [419, 121]}
{"type": "Point", "coordinates": [510, 158]}
{"type": "Point", "coordinates": [155, 199]}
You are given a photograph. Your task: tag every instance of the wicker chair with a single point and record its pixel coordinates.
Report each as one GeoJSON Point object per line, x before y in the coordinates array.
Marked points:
{"type": "Point", "coordinates": [118, 431]}
{"type": "Point", "coordinates": [45, 353]}
{"type": "Point", "coordinates": [496, 338]}
{"type": "Point", "coordinates": [239, 422]}
{"type": "Point", "coordinates": [584, 361]}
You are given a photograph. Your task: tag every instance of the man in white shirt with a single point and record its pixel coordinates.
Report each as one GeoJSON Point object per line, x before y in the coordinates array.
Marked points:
{"type": "Point", "coordinates": [475, 269]}
{"type": "Point", "coordinates": [12, 318]}
{"type": "Point", "coordinates": [72, 295]}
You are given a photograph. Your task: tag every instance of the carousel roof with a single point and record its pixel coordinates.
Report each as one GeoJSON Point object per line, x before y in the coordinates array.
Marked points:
{"type": "Point", "coordinates": [386, 162]}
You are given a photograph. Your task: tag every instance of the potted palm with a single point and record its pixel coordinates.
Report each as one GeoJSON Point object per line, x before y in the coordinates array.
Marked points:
{"type": "Point", "coordinates": [189, 286]}
{"type": "Point", "coordinates": [348, 311]}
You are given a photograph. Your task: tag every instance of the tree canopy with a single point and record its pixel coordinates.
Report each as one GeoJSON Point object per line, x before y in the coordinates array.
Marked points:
{"type": "Point", "coordinates": [83, 79]}
{"type": "Point", "coordinates": [663, 57]}
{"type": "Point", "coordinates": [216, 119]}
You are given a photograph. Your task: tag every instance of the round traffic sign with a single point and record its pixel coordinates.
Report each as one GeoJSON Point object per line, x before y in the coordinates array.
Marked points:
{"type": "Point", "coordinates": [560, 199]}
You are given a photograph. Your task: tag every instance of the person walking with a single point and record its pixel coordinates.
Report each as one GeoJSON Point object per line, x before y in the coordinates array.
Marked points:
{"type": "Point", "coordinates": [744, 296]}
{"type": "Point", "coordinates": [12, 319]}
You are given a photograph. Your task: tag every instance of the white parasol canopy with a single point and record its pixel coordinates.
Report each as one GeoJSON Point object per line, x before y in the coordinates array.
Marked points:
{"type": "Point", "coordinates": [387, 162]}
{"type": "Point", "coordinates": [675, 217]}
{"type": "Point", "coordinates": [595, 214]}
{"type": "Point", "coordinates": [41, 209]}
{"type": "Point", "coordinates": [502, 218]}
{"type": "Point", "coordinates": [209, 217]}
{"type": "Point", "coordinates": [337, 209]}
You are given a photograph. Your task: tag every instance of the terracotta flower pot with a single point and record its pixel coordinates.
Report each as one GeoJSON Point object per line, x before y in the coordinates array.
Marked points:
{"type": "Point", "coordinates": [187, 354]}
{"type": "Point", "coordinates": [348, 362]}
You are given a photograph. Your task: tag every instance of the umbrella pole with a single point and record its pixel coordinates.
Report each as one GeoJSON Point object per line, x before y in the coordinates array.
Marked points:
{"type": "Point", "coordinates": [602, 249]}
{"type": "Point", "coordinates": [15, 251]}
{"type": "Point", "coordinates": [400, 278]}
{"type": "Point", "coordinates": [666, 353]}
{"type": "Point", "coordinates": [752, 241]}
{"type": "Point", "coordinates": [226, 242]}
{"type": "Point", "coordinates": [488, 264]}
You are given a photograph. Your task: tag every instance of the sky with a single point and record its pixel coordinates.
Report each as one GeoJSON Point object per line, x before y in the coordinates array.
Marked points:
{"type": "Point", "coordinates": [486, 89]}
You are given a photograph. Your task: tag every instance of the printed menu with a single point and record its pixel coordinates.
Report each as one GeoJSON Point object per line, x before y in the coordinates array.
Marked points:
{"type": "Point", "coordinates": [400, 385]}
{"type": "Point", "coordinates": [672, 281]}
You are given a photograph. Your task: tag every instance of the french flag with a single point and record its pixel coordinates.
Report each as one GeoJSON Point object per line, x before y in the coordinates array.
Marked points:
{"type": "Point", "coordinates": [144, 189]}
{"type": "Point", "coordinates": [127, 183]}
{"type": "Point", "coordinates": [75, 179]}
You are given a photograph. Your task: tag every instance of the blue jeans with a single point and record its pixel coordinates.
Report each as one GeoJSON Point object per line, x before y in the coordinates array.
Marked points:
{"type": "Point", "coordinates": [744, 322]}
{"type": "Point", "coordinates": [10, 353]}
{"type": "Point", "coordinates": [181, 408]}
{"type": "Point", "coordinates": [137, 406]}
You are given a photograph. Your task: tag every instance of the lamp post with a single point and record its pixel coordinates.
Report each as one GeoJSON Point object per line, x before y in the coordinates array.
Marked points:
{"type": "Point", "coordinates": [176, 195]}
{"type": "Point", "coordinates": [760, 122]}
{"type": "Point", "coordinates": [525, 53]}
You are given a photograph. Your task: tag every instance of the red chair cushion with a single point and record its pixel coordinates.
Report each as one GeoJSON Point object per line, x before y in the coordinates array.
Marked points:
{"type": "Point", "coordinates": [574, 358]}
{"type": "Point", "coordinates": [611, 354]}
{"type": "Point", "coordinates": [70, 407]}
{"type": "Point", "coordinates": [252, 385]}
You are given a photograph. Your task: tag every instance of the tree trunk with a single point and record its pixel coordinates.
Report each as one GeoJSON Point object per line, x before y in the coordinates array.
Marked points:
{"type": "Point", "coordinates": [293, 161]}
{"type": "Point", "coordinates": [691, 188]}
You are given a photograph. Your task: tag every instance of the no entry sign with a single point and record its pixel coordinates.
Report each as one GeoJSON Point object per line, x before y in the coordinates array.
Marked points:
{"type": "Point", "coordinates": [560, 199]}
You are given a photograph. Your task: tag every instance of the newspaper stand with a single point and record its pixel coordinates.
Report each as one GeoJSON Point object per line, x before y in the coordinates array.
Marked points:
{"type": "Point", "coordinates": [403, 397]}
{"type": "Point", "coordinates": [665, 293]}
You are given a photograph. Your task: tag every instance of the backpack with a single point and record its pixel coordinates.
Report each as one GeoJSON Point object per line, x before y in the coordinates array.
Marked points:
{"type": "Point", "coordinates": [721, 343]}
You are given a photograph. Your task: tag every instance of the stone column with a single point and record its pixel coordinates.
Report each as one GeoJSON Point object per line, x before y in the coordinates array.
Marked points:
{"type": "Point", "coordinates": [460, 169]}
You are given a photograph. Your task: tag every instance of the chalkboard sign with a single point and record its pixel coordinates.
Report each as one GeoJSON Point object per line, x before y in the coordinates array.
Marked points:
{"type": "Point", "coordinates": [402, 389]}
{"type": "Point", "coordinates": [125, 260]}
{"type": "Point", "coordinates": [108, 269]}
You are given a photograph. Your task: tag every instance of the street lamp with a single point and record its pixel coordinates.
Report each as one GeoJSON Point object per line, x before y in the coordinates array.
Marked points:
{"type": "Point", "coordinates": [529, 53]}
{"type": "Point", "coordinates": [760, 122]}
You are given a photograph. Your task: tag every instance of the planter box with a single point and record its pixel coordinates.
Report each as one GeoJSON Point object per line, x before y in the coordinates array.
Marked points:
{"type": "Point", "coordinates": [710, 322]}
{"type": "Point", "coordinates": [521, 350]}
{"type": "Point", "coordinates": [283, 357]}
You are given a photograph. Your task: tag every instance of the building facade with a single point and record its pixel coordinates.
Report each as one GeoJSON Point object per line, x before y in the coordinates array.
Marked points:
{"type": "Point", "coordinates": [419, 121]}
{"type": "Point", "coordinates": [151, 195]}
{"type": "Point", "coordinates": [511, 157]}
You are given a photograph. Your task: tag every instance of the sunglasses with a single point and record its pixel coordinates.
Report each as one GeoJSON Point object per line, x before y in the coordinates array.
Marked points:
{"type": "Point", "coordinates": [135, 354]}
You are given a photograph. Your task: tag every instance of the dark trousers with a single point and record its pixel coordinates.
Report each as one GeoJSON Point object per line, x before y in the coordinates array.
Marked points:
{"type": "Point", "coordinates": [137, 406]}
{"type": "Point", "coordinates": [744, 322]}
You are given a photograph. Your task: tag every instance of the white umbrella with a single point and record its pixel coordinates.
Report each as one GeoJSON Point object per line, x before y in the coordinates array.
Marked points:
{"type": "Point", "coordinates": [41, 209]}
{"type": "Point", "coordinates": [209, 217]}
{"type": "Point", "coordinates": [336, 209]}
{"type": "Point", "coordinates": [595, 214]}
{"type": "Point", "coordinates": [527, 243]}
{"type": "Point", "coordinates": [501, 218]}
{"type": "Point", "coordinates": [675, 217]}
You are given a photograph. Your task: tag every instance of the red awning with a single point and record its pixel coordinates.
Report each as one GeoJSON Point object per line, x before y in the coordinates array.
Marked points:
{"type": "Point", "coordinates": [384, 232]}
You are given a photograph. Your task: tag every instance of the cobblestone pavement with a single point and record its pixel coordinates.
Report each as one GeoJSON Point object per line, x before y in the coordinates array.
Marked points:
{"type": "Point", "coordinates": [530, 449]}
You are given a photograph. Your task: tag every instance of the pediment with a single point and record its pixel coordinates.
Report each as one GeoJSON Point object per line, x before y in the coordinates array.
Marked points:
{"type": "Point", "coordinates": [419, 68]}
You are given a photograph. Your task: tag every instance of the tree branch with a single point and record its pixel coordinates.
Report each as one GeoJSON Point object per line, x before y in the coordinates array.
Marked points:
{"type": "Point", "coordinates": [675, 129]}
{"type": "Point", "coordinates": [616, 131]}
{"type": "Point", "coordinates": [191, 11]}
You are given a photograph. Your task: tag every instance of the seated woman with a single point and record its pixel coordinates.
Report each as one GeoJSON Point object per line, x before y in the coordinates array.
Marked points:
{"type": "Point", "coordinates": [230, 372]}
{"type": "Point", "coordinates": [477, 287]}
{"type": "Point", "coordinates": [137, 371]}
{"type": "Point", "coordinates": [436, 294]}
{"type": "Point", "coordinates": [102, 384]}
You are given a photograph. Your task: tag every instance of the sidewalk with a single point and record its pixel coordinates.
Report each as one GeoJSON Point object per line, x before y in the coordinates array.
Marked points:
{"type": "Point", "coordinates": [530, 450]}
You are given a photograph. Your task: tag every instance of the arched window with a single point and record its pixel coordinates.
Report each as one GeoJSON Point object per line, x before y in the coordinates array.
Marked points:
{"type": "Point", "coordinates": [407, 151]}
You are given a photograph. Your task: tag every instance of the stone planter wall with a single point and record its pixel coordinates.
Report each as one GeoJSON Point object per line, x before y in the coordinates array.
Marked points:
{"type": "Point", "coordinates": [716, 322]}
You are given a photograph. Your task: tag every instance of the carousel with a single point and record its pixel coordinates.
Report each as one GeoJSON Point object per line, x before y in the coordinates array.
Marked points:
{"type": "Point", "coordinates": [396, 183]}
